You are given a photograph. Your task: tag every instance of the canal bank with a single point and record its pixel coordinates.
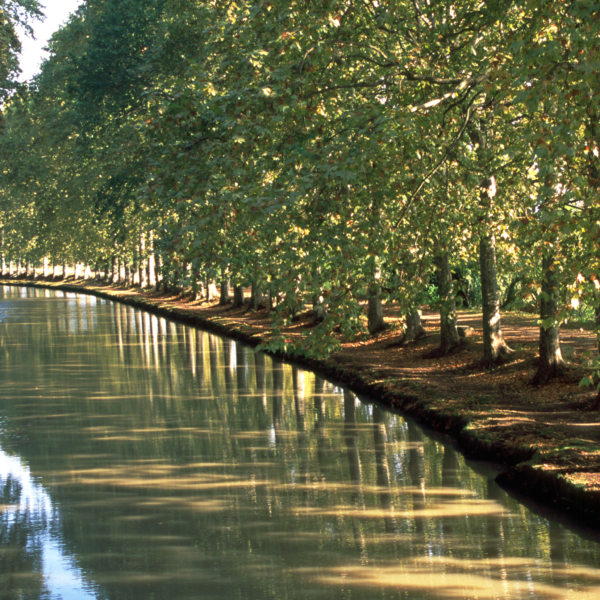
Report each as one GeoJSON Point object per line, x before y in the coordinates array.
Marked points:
{"type": "Point", "coordinates": [546, 438]}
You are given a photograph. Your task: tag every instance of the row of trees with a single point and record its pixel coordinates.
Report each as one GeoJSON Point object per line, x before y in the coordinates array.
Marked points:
{"type": "Point", "coordinates": [325, 152]}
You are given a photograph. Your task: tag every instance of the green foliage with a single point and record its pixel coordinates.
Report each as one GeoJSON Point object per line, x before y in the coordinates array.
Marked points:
{"type": "Point", "coordinates": [318, 153]}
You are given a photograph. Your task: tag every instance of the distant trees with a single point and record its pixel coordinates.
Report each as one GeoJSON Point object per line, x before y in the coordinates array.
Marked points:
{"type": "Point", "coordinates": [324, 154]}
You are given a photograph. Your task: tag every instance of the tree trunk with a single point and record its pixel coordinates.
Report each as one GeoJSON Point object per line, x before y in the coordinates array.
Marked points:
{"type": "Point", "coordinates": [114, 274]}
{"type": "Point", "coordinates": [18, 267]}
{"type": "Point", "coordinates": [65, 270]}
{"type": "Point", "coordinates": [157, 269]}
{"type": "Point", "coordinates": [511, 294]}
{"type": "Point", "coordinates": [225, 289]}
{"type": "Point", "coordinates": [87, 272]}
{"type": "Point", "coordinates": [143, 275]}
{"type": "Point", "coordinates": [208, 289]}
{"type": "Point", "coordinates": [319, 309]}
{"type": "Point", "coordinates": [77, 269]}
{"type": "Point", "coordinates": [597, 322]}
{"type": "Point", "coordinates": [256, 302]}
{"type": "Point", "coordinates": [151, 261]}
{"type": "Point", "coordinates": [450, 339]}
{"type": "Point", "coordinates": [11, 268]}
{"type": "Point", "coordinates": [127, 272]}
{"type": "Point", "coordinates": [3, 255]}
{"type": "Point", "coordinates": [238, 296]}
{"type": "Point", "coordinates": [495, 349]}
{"type": "Point", "coordinates": [27, 269]}
{"type": "Point", "coordinates": [375, 308]}
{"type": "Point", "coordinates": [45, 267]}
{"type": "Point", "coordinates": [551, 361]}
{"type": "Point", "coordinates": [135, 276]}
{"type": "Point", "coordinates": [414, 327]}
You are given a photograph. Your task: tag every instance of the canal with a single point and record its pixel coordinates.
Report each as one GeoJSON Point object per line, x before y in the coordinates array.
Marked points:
{"type": "Point", "coordinates": [144, 459]}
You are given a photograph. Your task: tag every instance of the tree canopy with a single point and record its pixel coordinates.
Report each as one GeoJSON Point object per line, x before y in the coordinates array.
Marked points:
{"type": "Point", "coordinates": [332, 151]}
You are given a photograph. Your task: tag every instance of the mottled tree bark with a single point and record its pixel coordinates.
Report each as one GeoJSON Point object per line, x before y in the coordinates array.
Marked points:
{"type": "Point", "coordinates": [450, 339]}
{"type": "Point", "coordinates": [495, 349]}
{"type": "Point", "coordinates": [551, 361]}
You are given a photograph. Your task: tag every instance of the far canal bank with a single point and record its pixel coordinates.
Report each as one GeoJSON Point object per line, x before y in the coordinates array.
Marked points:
{"type": "Point", "coordinates": [547, 438]}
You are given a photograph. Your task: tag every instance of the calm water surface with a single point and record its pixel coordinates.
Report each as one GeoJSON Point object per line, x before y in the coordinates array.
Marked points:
{"type": "Point", "coordinates": [142, 459]}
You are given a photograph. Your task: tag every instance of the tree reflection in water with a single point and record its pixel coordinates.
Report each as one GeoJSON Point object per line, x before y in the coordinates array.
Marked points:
{"type": "Point", "coordinates": [170, 462]}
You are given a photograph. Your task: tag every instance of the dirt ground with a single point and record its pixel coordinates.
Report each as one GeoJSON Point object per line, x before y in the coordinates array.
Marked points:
{"type": "Point", "coordinates": [556, 423]}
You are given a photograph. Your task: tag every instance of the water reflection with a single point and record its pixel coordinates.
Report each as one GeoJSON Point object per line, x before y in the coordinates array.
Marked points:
{"type": "Point", "coordinates": [146, 459]}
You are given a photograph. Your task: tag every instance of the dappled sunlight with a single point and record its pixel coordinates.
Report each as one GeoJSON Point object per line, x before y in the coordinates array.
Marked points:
{"type": "Point", "coordinates": [191, 504]}
{"type": "Point", "coordinates": [442, 577]}
{"type": "Point", "coordinates": [447, 509]}
{"type": "Point", "coordinates": [128, 477]}
{"type": "Point", "coordinates": [320, 485]}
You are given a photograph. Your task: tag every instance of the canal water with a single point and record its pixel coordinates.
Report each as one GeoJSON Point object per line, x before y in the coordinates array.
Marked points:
{"type": "Point", "coordinates": [143, 459]}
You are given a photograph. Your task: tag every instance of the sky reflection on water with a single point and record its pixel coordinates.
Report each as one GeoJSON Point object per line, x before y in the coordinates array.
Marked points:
{"type": "Point", "coordinates": [142, 458]}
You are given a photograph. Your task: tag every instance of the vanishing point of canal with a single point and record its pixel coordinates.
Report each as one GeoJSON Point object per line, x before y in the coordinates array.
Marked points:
{"type": "Point", "coordinates": [143, 459]}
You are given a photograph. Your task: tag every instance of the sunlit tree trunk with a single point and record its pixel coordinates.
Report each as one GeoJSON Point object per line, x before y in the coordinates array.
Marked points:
{"type": "Point", "coordinates": [495, 348]}
{"type": "Point", "coordinates": [450, 339]}
{"type": "Point", "coordinates": [209, 295]}
{"type": "Point", "coordinates": [65, 270]}
{"type": "Point", "coordinates": [45, 267]}
{"type": "Point", "coordinates": [551, 361]}
{"type": "Point", "coordinates": [87, 272]}
{"type": "Point", "coordinates": [27, 269]}
{"type": "Point", "coordinates": [11, 268]}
